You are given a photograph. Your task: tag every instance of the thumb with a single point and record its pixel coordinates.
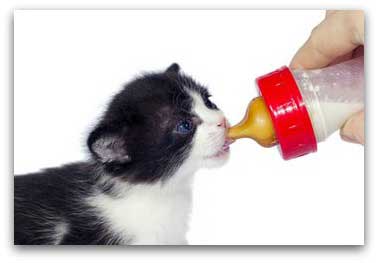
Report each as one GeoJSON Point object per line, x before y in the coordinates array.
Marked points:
{"type": "Point", "coordinates": [353, 129]}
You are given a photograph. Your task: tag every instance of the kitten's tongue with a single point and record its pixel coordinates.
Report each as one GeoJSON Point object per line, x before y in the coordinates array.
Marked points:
{"type": "Point", "coordinates": [227, 143]}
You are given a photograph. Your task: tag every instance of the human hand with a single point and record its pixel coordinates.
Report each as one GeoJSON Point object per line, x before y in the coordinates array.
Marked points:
{"type": "Point", "coordinates": [339, 37]}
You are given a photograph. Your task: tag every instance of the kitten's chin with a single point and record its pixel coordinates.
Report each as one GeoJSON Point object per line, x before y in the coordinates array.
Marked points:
{"type": "Point", "coordinates": [216, 160]}
{"type": "Point", "coordinates": [220, 157]}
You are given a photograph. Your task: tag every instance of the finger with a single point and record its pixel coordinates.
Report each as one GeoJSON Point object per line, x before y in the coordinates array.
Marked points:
{"type": "Point", "coordinates": [342, 58]}
{"type": "Point", "coordinates": [358, 52]}
{"type": "Point", "coordinates": [339, 34]}
{"type": "Point", "coordinates": [353, 130]}
{"type": "Point", "coordinates": [330, 12]}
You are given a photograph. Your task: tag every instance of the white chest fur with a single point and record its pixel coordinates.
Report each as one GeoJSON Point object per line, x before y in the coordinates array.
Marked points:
{"type": "Point", "coordinates": [154, 214]}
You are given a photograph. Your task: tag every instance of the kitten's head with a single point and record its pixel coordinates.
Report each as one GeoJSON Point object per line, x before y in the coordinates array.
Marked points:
{"type": "Point", "coordinates": [158, 123]}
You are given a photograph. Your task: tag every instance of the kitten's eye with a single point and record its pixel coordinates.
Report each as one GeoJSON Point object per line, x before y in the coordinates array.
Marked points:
{"type": "Point", "coordinates": [184, 126]}
{"type": "Point", "coordinates": [209, 103]}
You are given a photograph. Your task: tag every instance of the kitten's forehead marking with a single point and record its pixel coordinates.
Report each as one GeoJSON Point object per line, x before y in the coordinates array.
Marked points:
{"type": "Point", "coordinates": [204, 113]}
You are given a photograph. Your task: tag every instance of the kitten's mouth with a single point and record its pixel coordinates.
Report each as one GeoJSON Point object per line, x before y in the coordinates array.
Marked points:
{"type": "Point", "coordinates": [225, 149]}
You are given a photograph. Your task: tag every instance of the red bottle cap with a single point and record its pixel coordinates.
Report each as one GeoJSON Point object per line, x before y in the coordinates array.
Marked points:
{"type": "Point", "coordinates": [290, 117]}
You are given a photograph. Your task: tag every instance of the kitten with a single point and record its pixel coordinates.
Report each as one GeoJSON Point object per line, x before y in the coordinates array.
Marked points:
{"type": "Point", "coordinates": [136, 187]}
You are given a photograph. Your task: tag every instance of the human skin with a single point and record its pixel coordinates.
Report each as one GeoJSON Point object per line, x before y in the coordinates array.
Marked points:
{"type": "Point", "coordinates": [339, 37]}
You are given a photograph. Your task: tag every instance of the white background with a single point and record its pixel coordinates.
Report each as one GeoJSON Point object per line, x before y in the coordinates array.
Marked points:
{"type": "Point", "coordinates": [366, 253]}
{"type": "Point", "coordinates": [69, 63]}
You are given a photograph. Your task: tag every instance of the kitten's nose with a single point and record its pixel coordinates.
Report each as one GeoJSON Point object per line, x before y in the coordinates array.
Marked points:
{"type": "Point", "coordinates": [222, 123]}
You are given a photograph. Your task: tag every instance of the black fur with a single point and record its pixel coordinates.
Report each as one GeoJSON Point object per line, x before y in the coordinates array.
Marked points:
{"type": "Point", "coordinates": [135, 141]}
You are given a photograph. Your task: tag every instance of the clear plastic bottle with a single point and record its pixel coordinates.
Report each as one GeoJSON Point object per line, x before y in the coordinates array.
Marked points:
{"type": "Point", "coordinates": [332, 94]}
{"type": "Point", "coordinates": [299, 108]}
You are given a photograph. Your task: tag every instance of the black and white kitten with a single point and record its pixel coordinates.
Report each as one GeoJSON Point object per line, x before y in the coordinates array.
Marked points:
{"type": "Point", "coordinates": [136, 187]}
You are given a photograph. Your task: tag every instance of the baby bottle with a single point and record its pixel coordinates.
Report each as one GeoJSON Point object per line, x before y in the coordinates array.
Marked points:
{"type": "Point", "coordinates": [299, 108]}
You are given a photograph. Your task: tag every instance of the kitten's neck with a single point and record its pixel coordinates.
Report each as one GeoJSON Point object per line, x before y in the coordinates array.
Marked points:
{"type": "Point", "coordinates": [180, 180]}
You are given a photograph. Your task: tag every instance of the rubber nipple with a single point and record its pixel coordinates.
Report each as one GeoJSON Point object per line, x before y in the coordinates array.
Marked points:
{"type": "Point", "coordinates": [256, 124]}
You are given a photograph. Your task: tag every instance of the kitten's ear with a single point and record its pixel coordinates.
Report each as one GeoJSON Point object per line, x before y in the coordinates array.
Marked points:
{"type": "Point", "coordinates": [108, 147]}
{"type": "Point", "coordinates": [174, 68]}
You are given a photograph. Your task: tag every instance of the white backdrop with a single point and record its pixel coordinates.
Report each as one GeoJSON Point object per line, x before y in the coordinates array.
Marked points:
{"type": "Point", "coordinates": [69, 63]}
